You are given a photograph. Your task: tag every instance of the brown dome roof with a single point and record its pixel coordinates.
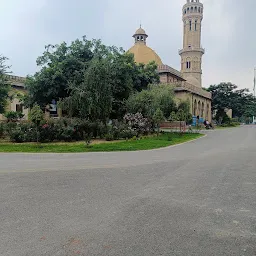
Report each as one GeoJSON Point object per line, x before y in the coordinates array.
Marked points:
{"type": "Point", "coordinates": [144, 54]}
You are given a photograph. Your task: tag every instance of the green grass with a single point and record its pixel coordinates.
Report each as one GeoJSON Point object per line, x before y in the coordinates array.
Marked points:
{"type": "Point", "coordinates": [151, 142]}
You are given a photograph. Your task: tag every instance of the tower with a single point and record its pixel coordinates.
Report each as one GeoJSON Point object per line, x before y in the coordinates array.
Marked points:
{"type": "Point", "coordinates": [192, 52]}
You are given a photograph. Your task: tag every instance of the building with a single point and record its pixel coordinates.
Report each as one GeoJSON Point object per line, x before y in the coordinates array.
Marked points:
{"type": "Point", "coordinates": [188, 81]}
{"type": "Point", "coordinates": [17, 90]}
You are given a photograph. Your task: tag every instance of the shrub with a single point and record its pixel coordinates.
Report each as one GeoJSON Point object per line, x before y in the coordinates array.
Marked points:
{"type": "Point", "coordinates": [138, 123]}
{"type": "Point", "coordinates": [2, 130]}
{"type": "Point", "coordinates": [109, 137]}
{"type": "Point", "coordinates": [17, 136]}
{"type": "Point", "coordinates": [9, 127]}
{"type": "Point", "coordinates": [13, 116]}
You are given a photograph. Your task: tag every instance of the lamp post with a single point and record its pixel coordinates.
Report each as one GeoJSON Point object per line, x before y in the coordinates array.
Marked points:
{"type": "Point", "coordinates": [254, 85]}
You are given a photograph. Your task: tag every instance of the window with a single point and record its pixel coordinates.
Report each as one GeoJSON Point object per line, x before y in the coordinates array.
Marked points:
{"type": "Point", "coordinates": [19, 108]}
{"type": "Point", "coordinates": [190, 25]}
{"type": "Point", "coordinates": [195, 25]}
{"type": "Point", "coordinates": [188, 64]}
{"type": "Point", "coordinates": [138, 38]}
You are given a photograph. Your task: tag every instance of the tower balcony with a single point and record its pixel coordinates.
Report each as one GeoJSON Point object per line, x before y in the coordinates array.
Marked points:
{"type": "Point", "coordinates": [192, 49]}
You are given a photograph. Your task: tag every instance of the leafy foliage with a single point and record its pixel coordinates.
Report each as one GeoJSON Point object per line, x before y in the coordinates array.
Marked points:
{"type": "Point", "coordinates": [13, 116]}
{"type": "Point", "coordinates": [36, 115]}
{"type": "Point", "coordinates": [158, 117]}
{"type": "Point", "coordinates": [81, 73]}
{"type": "Point", "coordinates": [228, 96]}
{"type": "Point", "coordinates": [138, 123]}
{"type": "Point", "coordinates": [4, 87]}
{"type": "Point", "coordinates": [148, 101]}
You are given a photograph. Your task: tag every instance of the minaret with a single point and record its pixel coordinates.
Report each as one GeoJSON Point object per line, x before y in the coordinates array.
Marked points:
{"type": "Point", "coordinates": [192, 52]}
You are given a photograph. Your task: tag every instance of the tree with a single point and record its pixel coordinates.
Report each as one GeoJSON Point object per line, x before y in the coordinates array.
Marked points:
{"type": "Point", "coordinates": [92, 99]}
{"type": "Point", "coordinates": [64, 67]}
{"type": "Point", "coordinates": [185, 107]}
{"type": "Point", "coordinates": [36, 116]}
{"type": "Point", "coordinates": [228, 96]}
{"type": "Point", "coordinates": [4, 87]}
{"type": "Point", "coordinates": [158, 117]}
{"type": "Point", "coordinates": [148, 101]}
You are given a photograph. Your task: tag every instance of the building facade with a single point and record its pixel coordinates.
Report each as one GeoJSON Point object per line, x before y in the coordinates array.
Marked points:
{"type": "Point", "coordinates": [17, 84]}
{"type": "Point", "coordinates": [187, 81]}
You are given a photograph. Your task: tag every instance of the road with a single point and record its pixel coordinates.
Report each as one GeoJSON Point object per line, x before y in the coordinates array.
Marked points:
{"type": "Point", "coordinates": [197, 198]}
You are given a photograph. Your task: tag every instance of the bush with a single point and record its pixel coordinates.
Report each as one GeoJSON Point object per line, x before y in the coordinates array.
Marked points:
{"type": "Point", "coordinates": [13, 116]}
{"type": "Point", "coordinates": [17, 136]}
{"type": "Point", "coordinates": [138, 123]}
{"type": "Point", "coordinates": [109, 137]}
{"type": "Point", "coordinates": [2, 130]}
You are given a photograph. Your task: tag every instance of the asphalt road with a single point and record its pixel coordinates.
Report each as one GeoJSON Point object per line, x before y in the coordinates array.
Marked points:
{"type": "Point", "coordinates": [194, 199]}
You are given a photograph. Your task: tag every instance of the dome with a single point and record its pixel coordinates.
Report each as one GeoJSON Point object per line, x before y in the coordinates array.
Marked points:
{"type": "Point", "coordinates": [192, 80]}
{"type": "Point", "coordinates": [144, 54]}
{"type": "Point", "coordinates": [140, 31]}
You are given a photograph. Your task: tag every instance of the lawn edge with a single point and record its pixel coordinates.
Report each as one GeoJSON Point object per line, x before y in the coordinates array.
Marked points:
{"type": "Point", "coordinates": [105, 152]}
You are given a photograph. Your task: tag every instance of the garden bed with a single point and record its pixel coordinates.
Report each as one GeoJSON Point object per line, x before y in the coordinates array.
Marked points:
{"type": "Point", "coordinates": [145, 143]}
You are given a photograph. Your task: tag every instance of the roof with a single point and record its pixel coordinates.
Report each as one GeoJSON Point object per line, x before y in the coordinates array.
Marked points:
{"type": "Point", "coordinates": [168, 69]}
{"type": "Point", "coordinates": [140, 31]}
{"type": "Point", "coordinates": [144, 54]}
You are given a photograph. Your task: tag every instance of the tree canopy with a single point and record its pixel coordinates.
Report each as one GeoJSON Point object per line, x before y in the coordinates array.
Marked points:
{"type": "Point", "coordinates": [79, 73]}
{"type": "Point", "coordinates": [4, 87]}
{"type": "Point", "coordinates": [149, 100]}
{"type": "Point", "coordinates": [228, 96]}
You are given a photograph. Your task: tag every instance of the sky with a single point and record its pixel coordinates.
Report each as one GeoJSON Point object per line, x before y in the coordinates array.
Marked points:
{"type": "Point", "coordinates": [228, 33]}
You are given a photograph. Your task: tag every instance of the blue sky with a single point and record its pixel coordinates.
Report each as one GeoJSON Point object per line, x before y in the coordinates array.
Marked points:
{"type": "Point", "coordinates": [228, 31]}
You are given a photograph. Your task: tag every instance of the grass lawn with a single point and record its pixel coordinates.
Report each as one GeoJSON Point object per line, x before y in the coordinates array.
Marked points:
{"type": "Point", "coordinates": [151, 142]}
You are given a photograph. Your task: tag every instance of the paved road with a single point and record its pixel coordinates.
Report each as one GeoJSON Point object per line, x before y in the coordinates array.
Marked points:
{"type": "Point", "coordinates": [194, 199]}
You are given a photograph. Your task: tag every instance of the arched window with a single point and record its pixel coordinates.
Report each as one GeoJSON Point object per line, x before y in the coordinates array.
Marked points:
{"type": "Point", "coordinates": [195, 106]}
{"type": "Point", "coordinates": [138, 38]}
{"type": "Point", "coordinates": [202, 110]}
{"type": "Point", "coordinates": [199, 10]}
{"type": "Point", "coordinates": [188, 64]}
{"type": "Point", "coordinates": [195, 25]}
{"type": "Point", "coordinates": [141, 38]}
{"type": "Point", "coordinates": [199, 108]}
{"type": "Point", "coordinates": [188, 9]}
{"type": "Point", "coordinates": [196, 9]}
{"type": "Point", "coordinates": [190, 25]}
{"type": "Point", "coordinates": [192, 9]}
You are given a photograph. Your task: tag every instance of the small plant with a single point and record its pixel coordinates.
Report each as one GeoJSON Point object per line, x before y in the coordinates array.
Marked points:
{"type": "Point", "coordinates": [109, 137]}
{"type": "Point", "coordinates": [170, 137]}
{"type": "Point", "coordinates": [88, 139]}
{"type": "Point", "coordinates": [13, 116]}
{"type": "Point", "coordinates": [1, 130]}
{"type": "Point", "coordinates": [36, 116]}
{"type": "Point", "coordinates": [158, 118]}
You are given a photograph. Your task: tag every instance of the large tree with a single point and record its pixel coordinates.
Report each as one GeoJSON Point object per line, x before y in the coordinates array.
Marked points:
{"type": "Point", "coordinates": [149, 100]}
{"type": "Point", "coordinates": [4, 87]}
{"type": "Point", "coordinates": [91, 99]}
{"type": "Point", "coordinates": [64, 68]}
{"type": "Point", "coordinates": [228, 96]}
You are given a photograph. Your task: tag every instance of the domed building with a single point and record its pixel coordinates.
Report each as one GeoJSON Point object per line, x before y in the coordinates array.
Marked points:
{"type": "Point", "coordinates": [143, 53]}
{"type": "Point", "coordinates": [188, 81]}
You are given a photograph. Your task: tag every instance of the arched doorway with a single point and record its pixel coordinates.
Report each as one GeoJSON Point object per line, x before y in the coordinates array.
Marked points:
{"type": "Point", "coordinates": [195, 107]}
